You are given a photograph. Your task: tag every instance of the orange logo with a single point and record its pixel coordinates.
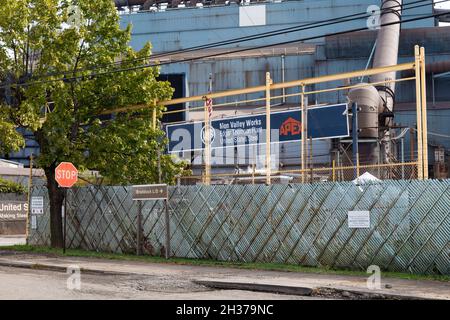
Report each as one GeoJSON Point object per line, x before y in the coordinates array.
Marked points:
{"type": "Point", "coordinates": [291, 127]}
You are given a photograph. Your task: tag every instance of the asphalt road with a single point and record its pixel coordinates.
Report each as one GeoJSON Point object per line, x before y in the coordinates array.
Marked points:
{"type": "Point", "coordinates": [19, 283]}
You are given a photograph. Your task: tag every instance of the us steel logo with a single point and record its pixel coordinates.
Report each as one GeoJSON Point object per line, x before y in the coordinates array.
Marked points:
{"type": "Point", "coordinates": [291, 127]}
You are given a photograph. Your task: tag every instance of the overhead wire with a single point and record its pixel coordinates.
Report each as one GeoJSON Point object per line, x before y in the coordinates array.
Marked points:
{"type": "Point", "coordinates": [272, 33]}
{"type": "Point", "coordinates": [135, 68]}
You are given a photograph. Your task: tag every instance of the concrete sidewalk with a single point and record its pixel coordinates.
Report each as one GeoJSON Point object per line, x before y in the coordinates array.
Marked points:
{"type": "Point", "coordinates": [12, 240]}
{"type": "Point", "coordinates": [422, 289]}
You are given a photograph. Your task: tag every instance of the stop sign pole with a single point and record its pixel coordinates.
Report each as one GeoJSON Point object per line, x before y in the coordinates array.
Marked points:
{"type": "Point", "coordinates": [66, 174]}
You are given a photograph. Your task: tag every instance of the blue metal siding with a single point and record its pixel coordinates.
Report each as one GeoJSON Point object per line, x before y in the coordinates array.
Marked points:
{"type": "Point", "coordinates": [437, 124]}
{"type": "Point", "coordinates": [182, 28]}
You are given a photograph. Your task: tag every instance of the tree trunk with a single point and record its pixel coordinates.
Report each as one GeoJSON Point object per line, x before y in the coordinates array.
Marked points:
{"type": "Point", "coordinates": [56, 196]}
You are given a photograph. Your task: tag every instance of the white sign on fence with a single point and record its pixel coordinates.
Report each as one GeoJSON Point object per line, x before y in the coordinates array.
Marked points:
{"type": "Point", "coordinates": [33, 222]}
{"type": "Point", "coordinates": [37, 205]}
{"type": "Point", "coordinates": [359, 219]}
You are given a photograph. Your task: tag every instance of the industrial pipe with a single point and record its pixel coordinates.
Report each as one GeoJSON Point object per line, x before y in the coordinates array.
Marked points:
{"type": "Point", "coordinates": [386, 52]}
{"type": "Point", "coordinates": [373, 101]}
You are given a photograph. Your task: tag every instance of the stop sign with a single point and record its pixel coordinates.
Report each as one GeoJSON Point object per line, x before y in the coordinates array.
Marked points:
{"type": "Point", "coordinates": [66, 174]}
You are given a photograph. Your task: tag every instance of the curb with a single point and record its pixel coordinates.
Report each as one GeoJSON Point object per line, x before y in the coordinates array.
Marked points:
{"type": "Point", "coordinates": [324, 292]}
{"type": "Point", "coordinates": [48, 267]}
{"type": "Point", "coordinates": [289, 290]}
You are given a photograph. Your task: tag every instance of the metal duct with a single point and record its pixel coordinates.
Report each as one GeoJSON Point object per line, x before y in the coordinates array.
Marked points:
{"type": "Point", "coordinates": [373, 101]}
{"type": "Point", "coordinates": [386, 53]}
{"type": "Point", "coordinates": [433, 67]}
{"type": "Point", "coordinates": [368, 100]}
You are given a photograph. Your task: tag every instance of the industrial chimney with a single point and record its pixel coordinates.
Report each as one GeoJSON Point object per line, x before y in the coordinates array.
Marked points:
{"type": "Point", "coordinates": [376, 103]}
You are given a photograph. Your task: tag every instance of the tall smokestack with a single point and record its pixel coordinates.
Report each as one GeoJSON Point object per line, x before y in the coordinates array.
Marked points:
{"type": "Point", "coordinates": [386, 54]}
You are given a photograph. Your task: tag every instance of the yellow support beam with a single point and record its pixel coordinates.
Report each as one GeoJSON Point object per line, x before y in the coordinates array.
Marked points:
{"type": "Point", "coordinates": [207, 138]}
{"type": "Point", "coordinates": [418, 113]}
{"type": "Point", "coordinates": [423, 88]}
{"type": "Point", "coordinates": [296, 83]}
{"type": "Point", "coordinates": [268, 149]}
{"type": "Point", "coordinates": [304, 130]}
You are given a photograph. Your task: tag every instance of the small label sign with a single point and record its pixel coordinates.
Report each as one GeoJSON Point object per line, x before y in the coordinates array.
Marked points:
{"type": "Point", "coordinates": [150, 192]}
{"type": "Point", "coordinates": [359, 219]}
{"type": "Point", "coordinates": [33, 222]}
{"type": "Point", "coordinates": [37, 205]}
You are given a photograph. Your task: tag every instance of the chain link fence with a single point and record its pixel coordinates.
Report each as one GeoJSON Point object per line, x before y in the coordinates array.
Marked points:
{"type": "Point", "coordinates": [302, 224]}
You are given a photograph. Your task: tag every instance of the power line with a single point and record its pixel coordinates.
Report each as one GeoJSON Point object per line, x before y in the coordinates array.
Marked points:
{"type": "Point", "coordinates": [297, 28]}
{"type": "Point", "coordinates": [88, 77]}
{"type": "Point", "coordinates": [429, 114]}
{"type": "Point", "coordinates": [283, 31]}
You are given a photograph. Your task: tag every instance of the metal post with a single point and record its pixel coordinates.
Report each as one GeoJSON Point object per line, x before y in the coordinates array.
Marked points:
{"type": "Point", "coordinates": [411, 144]}
{"type": "Point", "coordinates": [139, 230]}
{"type": "Point", "coordinates": [402, 145]}
{"type": "Point", "coordinates": [283, 72]}
{"type": "Point", "coordinates": [159, 166]}
{"type": "Point", "coordinates": [418, 114]}
{"type": "Point", "coordinates": [253, 174]}
{"type": "Point", "coordinates": [340, 172]}
{"type": "Point", "coordinates": [424, 112]}
{"type": "Point", "coordinates": [334, 170]}
{"type": "Point", "coordinates": [304, 132]}
{"type": "Point", "coordinates": [311, 159]}
{"type": "Point", "coordinates": [167, 220]}
{"type": "Point", "coordinates": [433, 89]}
{"type": "Point", "coordinates": [65, 220]}
{"type": "Point", "coordinates": [268, 127]}
{"type": "Point", "coordinates": [355, 138]}
{"type": "Point", "coordinates": [254, 164]}
{"type": "Point", "coordinates": [154, 116]}
{"type": "Point", "coordinates": [210, 83]}
{"type": "Point", "coordinates": [207, 139]}
{"type": "Point", "coordinates": [357, 165]}
{"type": "Point", "coordinates": [30, 184]}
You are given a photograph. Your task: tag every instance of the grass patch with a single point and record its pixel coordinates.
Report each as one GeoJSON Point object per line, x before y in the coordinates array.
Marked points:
{"type": "Point", "coordinates": [216, 263]}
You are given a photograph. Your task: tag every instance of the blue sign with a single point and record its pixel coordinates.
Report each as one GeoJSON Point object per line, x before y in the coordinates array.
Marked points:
{"type": "Point", "coordinates": [324, 122]}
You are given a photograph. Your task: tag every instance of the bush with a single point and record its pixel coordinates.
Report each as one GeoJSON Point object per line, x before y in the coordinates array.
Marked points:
{"type": "Point", "coordinates": [7, 186]}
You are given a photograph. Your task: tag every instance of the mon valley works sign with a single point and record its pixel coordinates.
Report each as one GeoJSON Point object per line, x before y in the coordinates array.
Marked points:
{"type": "Point", "coordinates": [324, 122]}
{"type": "Point", "coordinates": [13, 210]}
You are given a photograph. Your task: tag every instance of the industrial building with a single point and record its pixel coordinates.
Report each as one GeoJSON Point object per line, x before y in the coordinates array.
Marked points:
{"type": "Point", "coordinates": [173, 27]}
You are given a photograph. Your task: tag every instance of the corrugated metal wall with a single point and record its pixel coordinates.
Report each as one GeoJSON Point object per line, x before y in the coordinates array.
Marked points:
{"type": "Point", "coordinates": [180, 28]}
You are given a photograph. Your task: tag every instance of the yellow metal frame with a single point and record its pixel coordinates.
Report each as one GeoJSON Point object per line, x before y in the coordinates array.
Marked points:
{"type": "Point", "coordinates": [268, 133]}
{"type": "Point", "coordinates": [332, 170]}
{"type": "Point", "coordinates": [418, 66]}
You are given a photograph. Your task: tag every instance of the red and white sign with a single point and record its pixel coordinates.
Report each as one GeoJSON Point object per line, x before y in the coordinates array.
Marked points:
{"type": "Point", "coordinates": [66, 174]}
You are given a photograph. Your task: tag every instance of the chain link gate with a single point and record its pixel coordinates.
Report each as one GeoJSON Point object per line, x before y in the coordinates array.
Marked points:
{"type": "Point", "coordinates": [302, 224]}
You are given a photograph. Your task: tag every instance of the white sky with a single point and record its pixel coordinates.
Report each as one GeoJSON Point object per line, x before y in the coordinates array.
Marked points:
{"type": "Point", "coordinates": [444, 5]}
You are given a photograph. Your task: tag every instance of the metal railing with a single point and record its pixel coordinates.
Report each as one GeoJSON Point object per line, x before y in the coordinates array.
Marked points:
{"type": "Point", "coordinates": [392, 171]}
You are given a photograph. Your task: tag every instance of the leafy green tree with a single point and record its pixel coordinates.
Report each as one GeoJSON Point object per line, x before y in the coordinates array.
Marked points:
{"type": "Point", "coordinates": [59, 72]}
